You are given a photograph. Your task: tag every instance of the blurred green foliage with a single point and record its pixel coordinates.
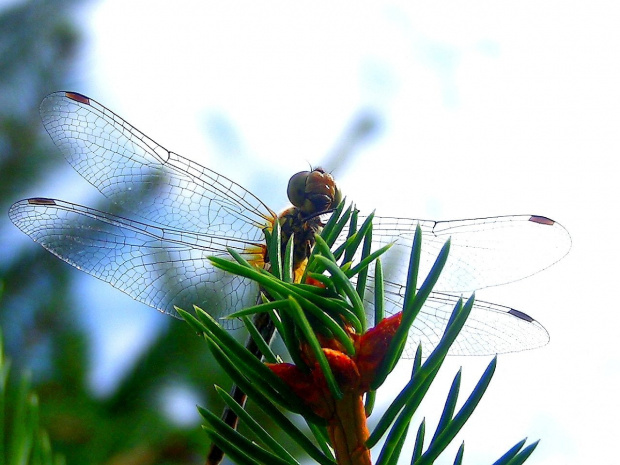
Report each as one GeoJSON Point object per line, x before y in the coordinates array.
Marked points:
{"type": "Point", "coordinates": [22, 441]}
{"type": "Point", "coordinates": [39, 41]}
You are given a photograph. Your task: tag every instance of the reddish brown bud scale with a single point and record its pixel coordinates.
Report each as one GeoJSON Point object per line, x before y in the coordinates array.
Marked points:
{"type": "Point", "coordinates": [346, 417]}
{"type": "Point", "coordinates": [372, 347]}
{"type": "Point", "coordinates": [344, 369]}
{"type": "Point", "coordinates": [305, 386]}
{"type": "Point", "coordinates": [314, 282]}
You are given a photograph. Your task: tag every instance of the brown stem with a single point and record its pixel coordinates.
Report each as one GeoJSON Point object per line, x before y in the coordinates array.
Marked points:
{"type": "Point", "coordinates": [348, 431]}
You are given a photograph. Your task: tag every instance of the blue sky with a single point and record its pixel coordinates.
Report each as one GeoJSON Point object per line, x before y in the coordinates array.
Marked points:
{"type": "Point", "coordinates": [487, 108]}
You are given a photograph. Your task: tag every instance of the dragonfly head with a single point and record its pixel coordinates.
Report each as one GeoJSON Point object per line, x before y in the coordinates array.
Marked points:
{"type": "Point", "coordinates": [313, 192]}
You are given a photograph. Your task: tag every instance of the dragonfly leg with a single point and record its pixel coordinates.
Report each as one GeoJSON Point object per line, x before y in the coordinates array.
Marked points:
{"type": "Point", "coordinates": [266, 328]}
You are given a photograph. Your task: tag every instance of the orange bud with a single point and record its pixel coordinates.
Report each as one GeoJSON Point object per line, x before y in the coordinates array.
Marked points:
{"type": "Point", "coordinates": [372, 347]}
{"type": "Point", "coordinates": [305, 386]}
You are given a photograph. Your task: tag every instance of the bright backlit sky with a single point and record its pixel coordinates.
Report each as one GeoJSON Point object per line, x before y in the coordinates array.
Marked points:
{"type": "Point", "coordinates": [486, 108]}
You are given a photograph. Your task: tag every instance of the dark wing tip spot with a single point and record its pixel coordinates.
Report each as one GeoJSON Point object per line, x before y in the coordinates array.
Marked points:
{"type": "Point", "coordinates": [519, 314]}
{"type": "Point", "coordinates": [41, 201]}
{"type": "Point", "coordinates": [78, 97]}
{"type": "Point", "coordinates": [542, 220]}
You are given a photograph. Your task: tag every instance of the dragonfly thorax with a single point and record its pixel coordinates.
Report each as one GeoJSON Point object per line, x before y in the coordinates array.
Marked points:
{"type": "Point", "coordinates": [294, 224]}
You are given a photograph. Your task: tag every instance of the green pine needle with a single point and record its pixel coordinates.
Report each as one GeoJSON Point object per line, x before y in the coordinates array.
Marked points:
{"type": "Point", "coordinates": [301, 310]}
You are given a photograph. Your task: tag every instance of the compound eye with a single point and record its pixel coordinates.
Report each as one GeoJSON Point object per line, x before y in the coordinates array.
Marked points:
{"type": "Point", "coordinates": [337, 198]}
{"type": "Point", "coordinates": [297, 188]}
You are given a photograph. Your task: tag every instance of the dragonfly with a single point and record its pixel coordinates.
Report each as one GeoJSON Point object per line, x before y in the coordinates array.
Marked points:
{"type": "Point", "coordinates": [179, 213]}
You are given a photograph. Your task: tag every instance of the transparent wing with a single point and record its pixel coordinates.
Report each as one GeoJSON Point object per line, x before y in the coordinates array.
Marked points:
{"type": "Point", "coordinates": [191, 212]}
{"type": "Point", "coordinates": [157, 266]}
{"type": "Point", "coordinates": [484, 252]}
{"type": "Point", "coordinates": [490, 329]}
{"type": "Point", "coordinates": [122, 162]}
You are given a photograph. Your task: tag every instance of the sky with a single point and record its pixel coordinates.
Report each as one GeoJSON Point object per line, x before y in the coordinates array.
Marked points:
{"type": "Point", "coordinates": [483, 108]}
